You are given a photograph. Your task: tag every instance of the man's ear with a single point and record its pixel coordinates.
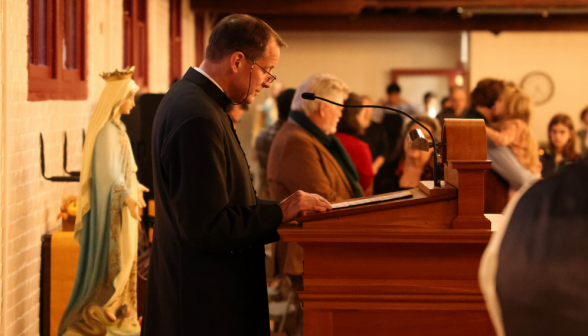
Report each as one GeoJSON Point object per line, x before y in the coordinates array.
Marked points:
{"type": "Point", "coordinates": [322, 108]}
{"type": "Point", "coordinates": [237, 61]}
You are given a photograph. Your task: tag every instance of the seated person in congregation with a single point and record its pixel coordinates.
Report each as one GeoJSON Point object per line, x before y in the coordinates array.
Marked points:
{"type": "Point", "coordinates": [583, 133]}
{"type": "Point", "coordinates": [374, 135]}
{"type": "Point", "coordinates": [236, 112]}
{"type": "Point", "coordinates": [390, 120]}
{"type": "Point", "coordinates": [562, 145]}
{"type": "Point", "coordinates": [408, 166]}
{"type": "Point", "coordinates": [486, 104]}
{"type": "Point", "coordinates": [349, 130]}
{"type": "Point", "coordinates": [307, 155]}
{"type": "Point", "coordinates": [456, 106]}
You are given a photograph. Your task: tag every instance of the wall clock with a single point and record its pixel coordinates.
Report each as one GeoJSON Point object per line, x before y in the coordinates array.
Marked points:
{"type": "Point", "coordinates": [539, 86]}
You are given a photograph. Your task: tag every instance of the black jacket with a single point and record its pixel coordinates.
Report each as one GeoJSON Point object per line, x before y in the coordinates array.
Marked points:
{"type": "Point", "coordinates": [543, 259]}
{"type": "Point", "coordinates": [207, 271]}
{"type": "Point", "coordinates": [376, 138]}
{"type": "Point", "coordinates": [550, 167]}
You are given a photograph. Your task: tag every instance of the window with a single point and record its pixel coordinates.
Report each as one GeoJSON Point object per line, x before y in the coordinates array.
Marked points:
{"type": "Point", "coordinates": [135, 39]}
{"type": "Point", "coordinates": [175, 40]}
{"type": "Point", "coordinates": [57, 50]}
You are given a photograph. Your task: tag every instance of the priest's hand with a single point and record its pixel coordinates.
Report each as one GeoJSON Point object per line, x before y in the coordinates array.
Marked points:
{"type": "Point", "coordinates": [140, 190]}
{"type": "Point", "coordinates": [302, 201]}
{"type": "Point", "coordinates": [133, 206]}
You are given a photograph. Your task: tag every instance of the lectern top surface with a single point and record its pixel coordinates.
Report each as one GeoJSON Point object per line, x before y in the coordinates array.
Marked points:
{"type": "Point", "coordinates": [418, 197]}
{"type": "Point", "coordinates": [372, 199]}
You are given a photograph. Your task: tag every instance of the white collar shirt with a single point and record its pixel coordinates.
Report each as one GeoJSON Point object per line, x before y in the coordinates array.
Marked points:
{"type": "Point", "coordinates": [207, 76]}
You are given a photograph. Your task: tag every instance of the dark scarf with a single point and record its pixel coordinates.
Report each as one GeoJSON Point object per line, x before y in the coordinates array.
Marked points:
{"type": "Point", "coordinates": [334, 146]}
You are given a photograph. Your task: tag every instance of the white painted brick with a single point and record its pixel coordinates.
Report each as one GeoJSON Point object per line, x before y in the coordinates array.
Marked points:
{"type": "Point", "coordinates": [32, 203]}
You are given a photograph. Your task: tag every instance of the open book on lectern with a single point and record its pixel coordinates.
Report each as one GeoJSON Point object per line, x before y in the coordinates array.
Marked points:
{"type": "Point", "coordinates": [372, 199]}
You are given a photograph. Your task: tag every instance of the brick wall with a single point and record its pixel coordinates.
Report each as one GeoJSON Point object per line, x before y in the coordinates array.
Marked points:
{"type": "Point", "coordinates": [31, 204]}
{"type": "Point", "coordinates": [2, 150]}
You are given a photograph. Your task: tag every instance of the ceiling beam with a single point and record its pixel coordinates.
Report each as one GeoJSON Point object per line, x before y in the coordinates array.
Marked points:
{"type": "Point", "coordinates": [346, 7]}
{"type": "Point", "coordinates": [475, 3]}
{"type": "Point", "coordinates": [292, 7]}
{"type": "Point", "coordinates": [416, 22]}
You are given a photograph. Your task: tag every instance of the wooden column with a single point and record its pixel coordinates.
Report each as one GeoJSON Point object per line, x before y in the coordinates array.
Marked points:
{"type": "Point", "coordinates": [470, 200]}
{"type": "Point", "coordinates": [465, 158]}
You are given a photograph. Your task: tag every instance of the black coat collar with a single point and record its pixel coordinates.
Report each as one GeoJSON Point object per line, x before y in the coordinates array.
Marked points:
{"type": "Point", "coordinates": [209, 87]}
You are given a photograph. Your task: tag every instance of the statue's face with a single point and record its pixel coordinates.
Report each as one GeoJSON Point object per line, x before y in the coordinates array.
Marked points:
{"type": "Point", "coordinates": [128, 105]}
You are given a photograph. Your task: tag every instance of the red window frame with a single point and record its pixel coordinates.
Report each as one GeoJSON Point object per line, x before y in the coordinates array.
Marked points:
{"type": "Point", "coordinates": [135, 40]}
{"type": "Point", "coordinates": [175, 40]}
{"type": "Point", "coordinates": [55, 80]}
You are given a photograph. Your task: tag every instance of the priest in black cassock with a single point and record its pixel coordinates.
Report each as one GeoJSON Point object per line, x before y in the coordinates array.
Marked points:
{"type": "Point", "coordinates": [207, 271]}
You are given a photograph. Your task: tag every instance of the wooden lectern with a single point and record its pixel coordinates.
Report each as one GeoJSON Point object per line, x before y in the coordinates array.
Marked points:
{"type": "Point", "coordinates": [402, 267]}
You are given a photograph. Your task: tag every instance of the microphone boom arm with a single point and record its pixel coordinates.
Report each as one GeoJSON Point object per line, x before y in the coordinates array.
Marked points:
{"type": "Point", "coordinates": [436, 182]}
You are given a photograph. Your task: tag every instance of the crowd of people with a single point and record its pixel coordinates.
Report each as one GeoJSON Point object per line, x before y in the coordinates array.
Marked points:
{"type": "Point", "coordinates": [363, 151]}
{"type": "Point", "coordinates": [348, 152]}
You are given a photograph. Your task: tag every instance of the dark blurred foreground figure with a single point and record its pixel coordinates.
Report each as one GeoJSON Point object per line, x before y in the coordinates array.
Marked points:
{"type": "Point", "coordinates": [535, 269]}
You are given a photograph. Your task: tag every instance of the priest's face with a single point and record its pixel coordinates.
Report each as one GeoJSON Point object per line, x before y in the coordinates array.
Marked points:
{"type": "Point", "coordinates": [260, 72]}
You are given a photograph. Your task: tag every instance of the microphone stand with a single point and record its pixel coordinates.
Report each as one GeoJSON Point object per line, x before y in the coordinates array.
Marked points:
{"type": "Point", "coordinates": [436, 182]}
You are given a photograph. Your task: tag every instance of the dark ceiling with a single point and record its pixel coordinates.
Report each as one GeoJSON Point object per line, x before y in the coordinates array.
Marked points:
{"type": "Point", "coordinates": [413, 15]}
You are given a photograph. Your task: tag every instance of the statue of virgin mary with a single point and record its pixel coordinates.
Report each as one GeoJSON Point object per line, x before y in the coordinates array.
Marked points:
{"type": "Point", "coordinates": [104, 298]}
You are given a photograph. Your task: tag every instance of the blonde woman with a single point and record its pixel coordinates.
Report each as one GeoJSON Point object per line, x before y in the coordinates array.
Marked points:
{"type": "Point", "coordinates": [512, 129]}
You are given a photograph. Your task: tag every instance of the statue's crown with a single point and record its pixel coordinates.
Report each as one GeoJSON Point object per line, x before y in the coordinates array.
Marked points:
{"type": "Point", "coordinates": [118, 75]}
